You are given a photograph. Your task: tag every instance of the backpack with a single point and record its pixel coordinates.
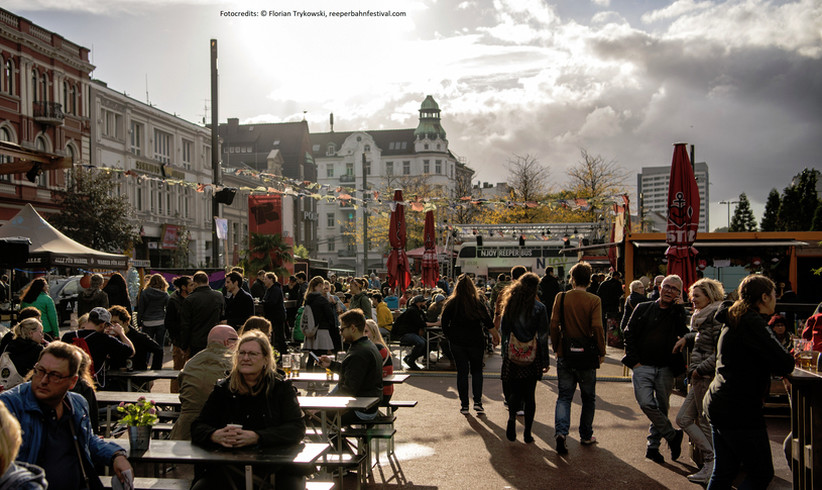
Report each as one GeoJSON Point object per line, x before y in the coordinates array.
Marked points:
{"type": "Point", "coordinates": [9, 377]}
{"type": "Point", "coordinates": [82, 344]}
{"type": "Point", "coordinates": [522, 353]}
{"type": "Point", "coordinates": [307, 323]}
{"type": "Point", "coordinates": [297, 332]}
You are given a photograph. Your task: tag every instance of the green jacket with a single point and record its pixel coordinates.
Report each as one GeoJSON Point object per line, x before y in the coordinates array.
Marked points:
{"type": "Point", "coordinates": [48, 314]}
{"type": "Point", "coordinates": [363, 302]}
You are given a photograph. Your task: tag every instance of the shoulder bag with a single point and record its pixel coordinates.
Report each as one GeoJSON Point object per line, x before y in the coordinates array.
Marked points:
{"type": "Point", "coordinates": [577, 352]}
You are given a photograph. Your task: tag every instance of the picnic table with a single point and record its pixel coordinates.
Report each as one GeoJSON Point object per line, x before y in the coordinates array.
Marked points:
{"type": "Point", "coordinates": [185, 452]}
{"type": "Point", "coordinates": [148, 375]}
{"type": "Point", "coordinates": [110, 399]}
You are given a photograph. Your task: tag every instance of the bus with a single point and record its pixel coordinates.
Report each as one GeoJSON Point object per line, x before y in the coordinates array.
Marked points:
{"type": "Point", "coordinates": [487, 261]}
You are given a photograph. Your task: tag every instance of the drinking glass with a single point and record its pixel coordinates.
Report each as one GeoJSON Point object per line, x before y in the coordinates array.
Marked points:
{"type": "Point", "coordinates": [287, 365]}
{"type": "Point", "coordinates": [295, 364]}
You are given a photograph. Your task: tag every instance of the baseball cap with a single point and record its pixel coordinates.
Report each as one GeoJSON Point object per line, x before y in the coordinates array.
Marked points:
{"type": "Point", "coordinates": [100, 314]}
{"type": "Point", "coordinates": [439, 298]}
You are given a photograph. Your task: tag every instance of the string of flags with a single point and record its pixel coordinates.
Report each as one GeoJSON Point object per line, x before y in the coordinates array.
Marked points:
{"type": "Point", "coordinates": [277, 184]}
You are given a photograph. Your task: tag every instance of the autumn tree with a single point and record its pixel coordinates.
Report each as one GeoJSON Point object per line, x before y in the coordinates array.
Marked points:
{"type": "Point", "coordinates": [93, 214]}
{"type": "Point", "coordinates": [528, 182]}
{"type": "Point", "coordinates": [594, 178]}
{"type": "Point", "coordinates": [743, 219]}
{"type": "Point", "coordinates": [770, 220]}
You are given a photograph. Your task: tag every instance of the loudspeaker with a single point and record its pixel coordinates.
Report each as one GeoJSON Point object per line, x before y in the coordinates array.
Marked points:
{"type": "Point", "coordinates": [479, 240]}
{"type": "Point", "coordinates": [225, 196]}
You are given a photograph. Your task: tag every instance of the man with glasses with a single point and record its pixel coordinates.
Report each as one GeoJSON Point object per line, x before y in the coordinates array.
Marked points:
{"type": "Point", "coordinates": [198, 376]}
{"type": "Point", "coordinates": [57, 432]}
{"type": "Point", "coordinates": [652, 331]}
{"type": "Point", "coordinates": [361, 370]}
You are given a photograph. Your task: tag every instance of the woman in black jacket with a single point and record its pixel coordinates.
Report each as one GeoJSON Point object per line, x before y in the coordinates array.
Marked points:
{"type": "Point", "coordinates": [24, 349]}
{"type": "Point", "coordinates": [747, 356]}
{"type": "Point", "coordinates": [464, 323]}
{"type": "Point", "coordinates": [253, 407]}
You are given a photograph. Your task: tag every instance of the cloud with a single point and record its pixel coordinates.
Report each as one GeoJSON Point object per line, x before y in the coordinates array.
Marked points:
{"type": "Point", "coordinates": [602, 3]}
{"type": "Point", "coordinates": [676, 9]}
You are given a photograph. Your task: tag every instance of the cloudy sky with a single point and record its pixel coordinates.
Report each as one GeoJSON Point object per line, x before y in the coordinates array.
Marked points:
{"type": "Point", "coordinates": [742, 79]}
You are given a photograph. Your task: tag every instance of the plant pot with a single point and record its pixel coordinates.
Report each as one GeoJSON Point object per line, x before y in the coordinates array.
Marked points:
{"type": "Point", "coordinates": [139, 437]}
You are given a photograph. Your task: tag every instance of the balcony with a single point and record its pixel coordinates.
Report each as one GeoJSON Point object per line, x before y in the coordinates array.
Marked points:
{"type": "Point", "coordinates": [48, 113]}
{"type": "Point", "coordinates": [346, 178]}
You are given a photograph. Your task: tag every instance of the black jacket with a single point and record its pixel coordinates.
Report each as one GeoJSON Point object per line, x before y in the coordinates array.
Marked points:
{"type": "Point", "coordinates": [274, 414]}
{"type": "Point", "coordinates": [465, 328]}
{"type": "Point", "coordinates": [174, 310]}
{"type": "Point", "coordinates": [274, 305]}
{"type": "Point", "coordinates": [747, 356]}
{"type": "Point", "coordinates": [23, 354]}
{"type": "Point", "coordinates": [323, 312]}
{"type": "Point", "coordinates": [412, 320]}
{"type": "Point", "coordinates": [651, 334]}
{"type": "Point", "coordinates": [202, 310]}
{"type": "Point", "coordinates": [360, 371]}
{"type": "Point", "coordinates": [239, 308]}
{"type": "Point", "coordinates": [630, 303]}
{"type": "Point", "coordinates": [548, 289]}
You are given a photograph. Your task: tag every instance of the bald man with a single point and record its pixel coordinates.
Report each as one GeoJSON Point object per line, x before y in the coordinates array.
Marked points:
{"type": "Point", "coordinates": [199, 375]}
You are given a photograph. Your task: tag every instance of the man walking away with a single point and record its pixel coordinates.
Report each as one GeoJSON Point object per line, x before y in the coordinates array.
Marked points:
{"type": "Point", "coordinates": [92, 297]}
{"type": "Point", "coordinates": [652, 331]}
{"type": "Point", "coordinates": [548, 287]}
{"type": "Point", "coordinates": [202, 309]}
{"type": "Point", "coordinates": [582, 319]}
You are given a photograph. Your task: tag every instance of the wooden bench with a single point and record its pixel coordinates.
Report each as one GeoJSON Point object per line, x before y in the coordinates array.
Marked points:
{"type": "Point", "coordinates": [154, 483]}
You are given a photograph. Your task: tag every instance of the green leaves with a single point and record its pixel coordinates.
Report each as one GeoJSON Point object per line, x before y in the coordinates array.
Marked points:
{"type": "Point", "coordinates": [141, 413]}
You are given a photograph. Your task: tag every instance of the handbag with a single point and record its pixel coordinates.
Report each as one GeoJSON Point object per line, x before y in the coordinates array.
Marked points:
{"type": "Point", "coordinates": [577, 352]}
{"type": "Point", "coordinates": [522, 353]}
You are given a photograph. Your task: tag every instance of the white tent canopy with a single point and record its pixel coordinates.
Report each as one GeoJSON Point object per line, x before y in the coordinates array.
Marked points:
{"type": "Point", "coordinates": [49, 247]}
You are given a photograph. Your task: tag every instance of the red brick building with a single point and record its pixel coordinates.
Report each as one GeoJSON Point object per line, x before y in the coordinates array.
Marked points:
{"type": "Point", "coordinates": [44, 113]}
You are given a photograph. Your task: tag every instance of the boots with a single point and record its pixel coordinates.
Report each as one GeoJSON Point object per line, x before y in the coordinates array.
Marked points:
{"type": "Point", "coordinates": [704, 474]}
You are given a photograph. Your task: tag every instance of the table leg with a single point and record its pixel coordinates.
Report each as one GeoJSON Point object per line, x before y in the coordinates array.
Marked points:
{"type": "Point", "coordinates": [427, 349]}
{"type": "Point", "coordinates": [249, 478]}
{"type": "Point", "coordinates": [128, 384]}
{"type": "Point", "coordinates": [108, 421]}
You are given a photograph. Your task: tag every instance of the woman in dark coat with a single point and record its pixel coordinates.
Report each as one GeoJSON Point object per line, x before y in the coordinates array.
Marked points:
{"type": "Point", "coordinates": [252, 408]}
{"type": "Point", "coordinates": [746, 357]}
{"type": "Point", "coordinates": [465, 322]}
{"type": "Point", "coordinates": [117, 292]}
{"type": "Point", "coordinates": [24, 349]}
{"type": "Point", "coordinates": [327, 338]}
{"type": "Point", "coordinates": [525, 318]}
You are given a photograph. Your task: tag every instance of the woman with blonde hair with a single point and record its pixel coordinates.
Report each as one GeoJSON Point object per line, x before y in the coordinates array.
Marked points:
{"type": "Point", "coordinates": [747, 355]}
{"type": "Point", "coordinates": [706, 295]}
{"type": "Point", "coordinates": [372, 331]}
{"type": "Point", "coordinates": [254, 406]}
{"type": "Point", "coordinates": [151, 308]}
{"type": "Point", "coordinates": [24, 349]}
{"type": "Point", "coordinates": [13, 474]}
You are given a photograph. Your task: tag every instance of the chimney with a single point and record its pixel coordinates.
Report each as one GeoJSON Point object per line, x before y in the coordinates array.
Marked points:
{"type": "Point", "coordinates": [332, 122]}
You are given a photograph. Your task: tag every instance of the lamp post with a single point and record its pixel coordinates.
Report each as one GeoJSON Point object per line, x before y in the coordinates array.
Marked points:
{"type": "Point", "coordinates": [729, 210]}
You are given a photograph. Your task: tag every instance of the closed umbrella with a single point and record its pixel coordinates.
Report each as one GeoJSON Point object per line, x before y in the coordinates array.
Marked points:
{"type": "Point", "coordinates": [398, 270]}
{"type": "Point", "coordinates": [683, 218]}
{"type": "Point", "coordinates": [430, 265]}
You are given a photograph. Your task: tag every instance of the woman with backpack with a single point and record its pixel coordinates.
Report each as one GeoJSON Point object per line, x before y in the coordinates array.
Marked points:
{"type": "Point", "coordinates": [326, 336]}
{"type": "Point", "coordinates": [22, 352]}
{"type": "Point", "coordinates": [525, 358]}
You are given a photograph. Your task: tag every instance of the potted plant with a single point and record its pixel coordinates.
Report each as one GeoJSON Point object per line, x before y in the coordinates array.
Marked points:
{"type": "Point", "coordinates": [139, 417]}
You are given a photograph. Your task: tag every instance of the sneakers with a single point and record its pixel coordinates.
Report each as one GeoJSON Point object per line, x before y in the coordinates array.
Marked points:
{"type": "Point", "coordinates": [478, 408]}
{"type": "Point", "coordinates": [464, 410]}
{"type": "Point", "coordinates": [654, 455]}
{"type": "Point", "coordinates": [561, 448]}
{"type": "Point", "coordinates": [676, 444]}
{"type": "Point", "coordinates": [520, 413]}
{"type": "Point", "coordinates": [589, 441]}
{"type": "Point", "coordinates": [411, 364]}
{"type": "Point", "coordinates": [704, 474]}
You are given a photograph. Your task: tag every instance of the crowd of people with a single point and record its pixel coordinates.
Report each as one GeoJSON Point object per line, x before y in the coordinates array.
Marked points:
{"type": "Point", "coordinates": [226, 345]}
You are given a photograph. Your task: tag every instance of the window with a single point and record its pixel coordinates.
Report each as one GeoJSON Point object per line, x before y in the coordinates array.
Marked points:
{"type": "Point", "coordinates": [331, 149]}
{"type": "Point", "coordinates": [406, 168]}
{"type": "Point", "coordinates": [5, 135]}
{"type": "Point", "coordinates": [391, 145]}
{"type": "Point", "coordinates": [44, 88]}
{"type": "Point", "coordinates": [315, 148]}
{"type": "Point", "coordinates": [112, 124]}
{"type": "Point", "coordinates": [40, 144]}
{"type": "Point", "coordinates": [185, 201]}
{"type": "Point", "coordinates": [349, 168]}
{"type": "Point", "coordinates": [136, 138]}
{"type": "Point", "coordinates": [73, 100]}
{"type": "Point", "coordinates": [331, 220]}
{"type": "Point", "coordinates": [403, 145]}
{"type": "Point", "coordinates": [329, 170]}
{"type": "Point", "coordinates": [65, 97]}
{"type": "Point", "coordinates": [138, 199]}
{"type": "Point", "coordinates": [425, 146]}
{"type": "Point", "coordinates": [160, 199]}
{"type": "Point", "coordinates": [8, 76]}
{"type": "Point", "coordinates": [389, 168]}
{"type": "Point", "coordinates": [188, 148]}
{"type": "Point", "coordinates": [367, 168]}
{"type": "Point", "coordinates": [34, 84]}
{"type": "Point", "coordinates": [162, 146]}
{"type": "Point", "coordinates": [332, 244]}
{"type": "Point", "coordinates": [367, 148]}
{"type": "Point", "coordinates": [426, 166]}
{"type": "Point", "coordinates": [437, 166]}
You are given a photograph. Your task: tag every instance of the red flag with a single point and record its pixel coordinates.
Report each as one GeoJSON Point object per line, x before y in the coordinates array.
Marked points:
{"type": "Point", "coordinates": [683, 217]}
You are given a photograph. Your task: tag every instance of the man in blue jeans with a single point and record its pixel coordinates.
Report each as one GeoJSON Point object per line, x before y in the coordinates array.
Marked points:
{"type": "Point", "coordinates": [410, 328]}
{"type": "Point", "coordinates": [582, 319]}
{"type": "Point", "coordinates": [650, 336]}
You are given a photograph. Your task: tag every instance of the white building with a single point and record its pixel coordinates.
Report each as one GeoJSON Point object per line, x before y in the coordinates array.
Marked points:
{"type": "Point", "coordinates": [652, 190]}
{"type": "Point", "coordinates": [144, 140]}
{"type": "Point", "coordinates": [394, 158]}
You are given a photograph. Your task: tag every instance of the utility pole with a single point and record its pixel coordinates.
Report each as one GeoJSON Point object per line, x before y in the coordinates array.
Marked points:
{"type": "Point", "coordinates": [215, 158]}
{"type": "Point", "coordinates": [729, 210]}
{"type": "Point", "coordinates": [364, 217]}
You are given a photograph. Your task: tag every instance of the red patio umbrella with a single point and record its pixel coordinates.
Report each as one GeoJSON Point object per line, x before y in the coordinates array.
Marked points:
{"type": "Point", "coordinates": [430, 265]}
{"type": "Point", "coordinates": [398, 270]}
{"type": "Point", "coordinates": [683, 218]}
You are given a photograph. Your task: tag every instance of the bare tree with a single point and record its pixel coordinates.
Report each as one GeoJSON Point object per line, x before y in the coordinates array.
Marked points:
{"type": "Point", "coordinates": [527, 178]}
{"type": "Point", "coordinates": [593, 177]}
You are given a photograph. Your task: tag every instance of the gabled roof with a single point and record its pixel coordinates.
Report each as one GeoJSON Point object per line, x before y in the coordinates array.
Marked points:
{"type": "Point", "coordinates": [286, 137]}
{"type": "Point", "coordinates": [383, 138]}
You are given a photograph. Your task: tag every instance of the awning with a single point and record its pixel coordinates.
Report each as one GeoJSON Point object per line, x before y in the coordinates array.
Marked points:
{"type": "Point", "coordinates": [737, 243]}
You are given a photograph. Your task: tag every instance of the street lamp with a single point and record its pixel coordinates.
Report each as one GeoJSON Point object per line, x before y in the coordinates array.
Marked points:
{"type": "Point", "coordinates": [729, 210]}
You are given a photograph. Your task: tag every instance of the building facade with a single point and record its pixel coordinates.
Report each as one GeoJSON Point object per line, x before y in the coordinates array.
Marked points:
{"type": "Point", "coordinates": [417, 160]}
{"type": "Point", "coordinates": [652, 190]}
{"type": "Point", "coordinates": [44, 113]}
{"type": "Point", "coordinates": [251, 146]}
{"type": "Point", "coordinates": [154, 149]}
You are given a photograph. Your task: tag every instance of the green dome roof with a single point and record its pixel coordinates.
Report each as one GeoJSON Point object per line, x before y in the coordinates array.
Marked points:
{"type": "Point", "coordinates": [429, 104]}
{"type": "Point", "coordinates": [429, 126]}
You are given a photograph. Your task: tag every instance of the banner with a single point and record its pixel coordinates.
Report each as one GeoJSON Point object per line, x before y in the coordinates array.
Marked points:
{"type": "Point", "coordinates": [265, 214]}
{"type": "Point", "coordinates": [222, 228]}
{"type": "Point", "coordinates": [169, 235]}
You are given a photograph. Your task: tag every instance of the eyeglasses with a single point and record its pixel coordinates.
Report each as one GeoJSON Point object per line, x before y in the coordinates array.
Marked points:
{"type": "Point", "coordinates": [343, 327]}
{"type": "Point", "coordinates": [252, 355]}
{"type": "Point", "coordinates": [671, 288]}
{"type": "Point", "coordinates": [49, 375]}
